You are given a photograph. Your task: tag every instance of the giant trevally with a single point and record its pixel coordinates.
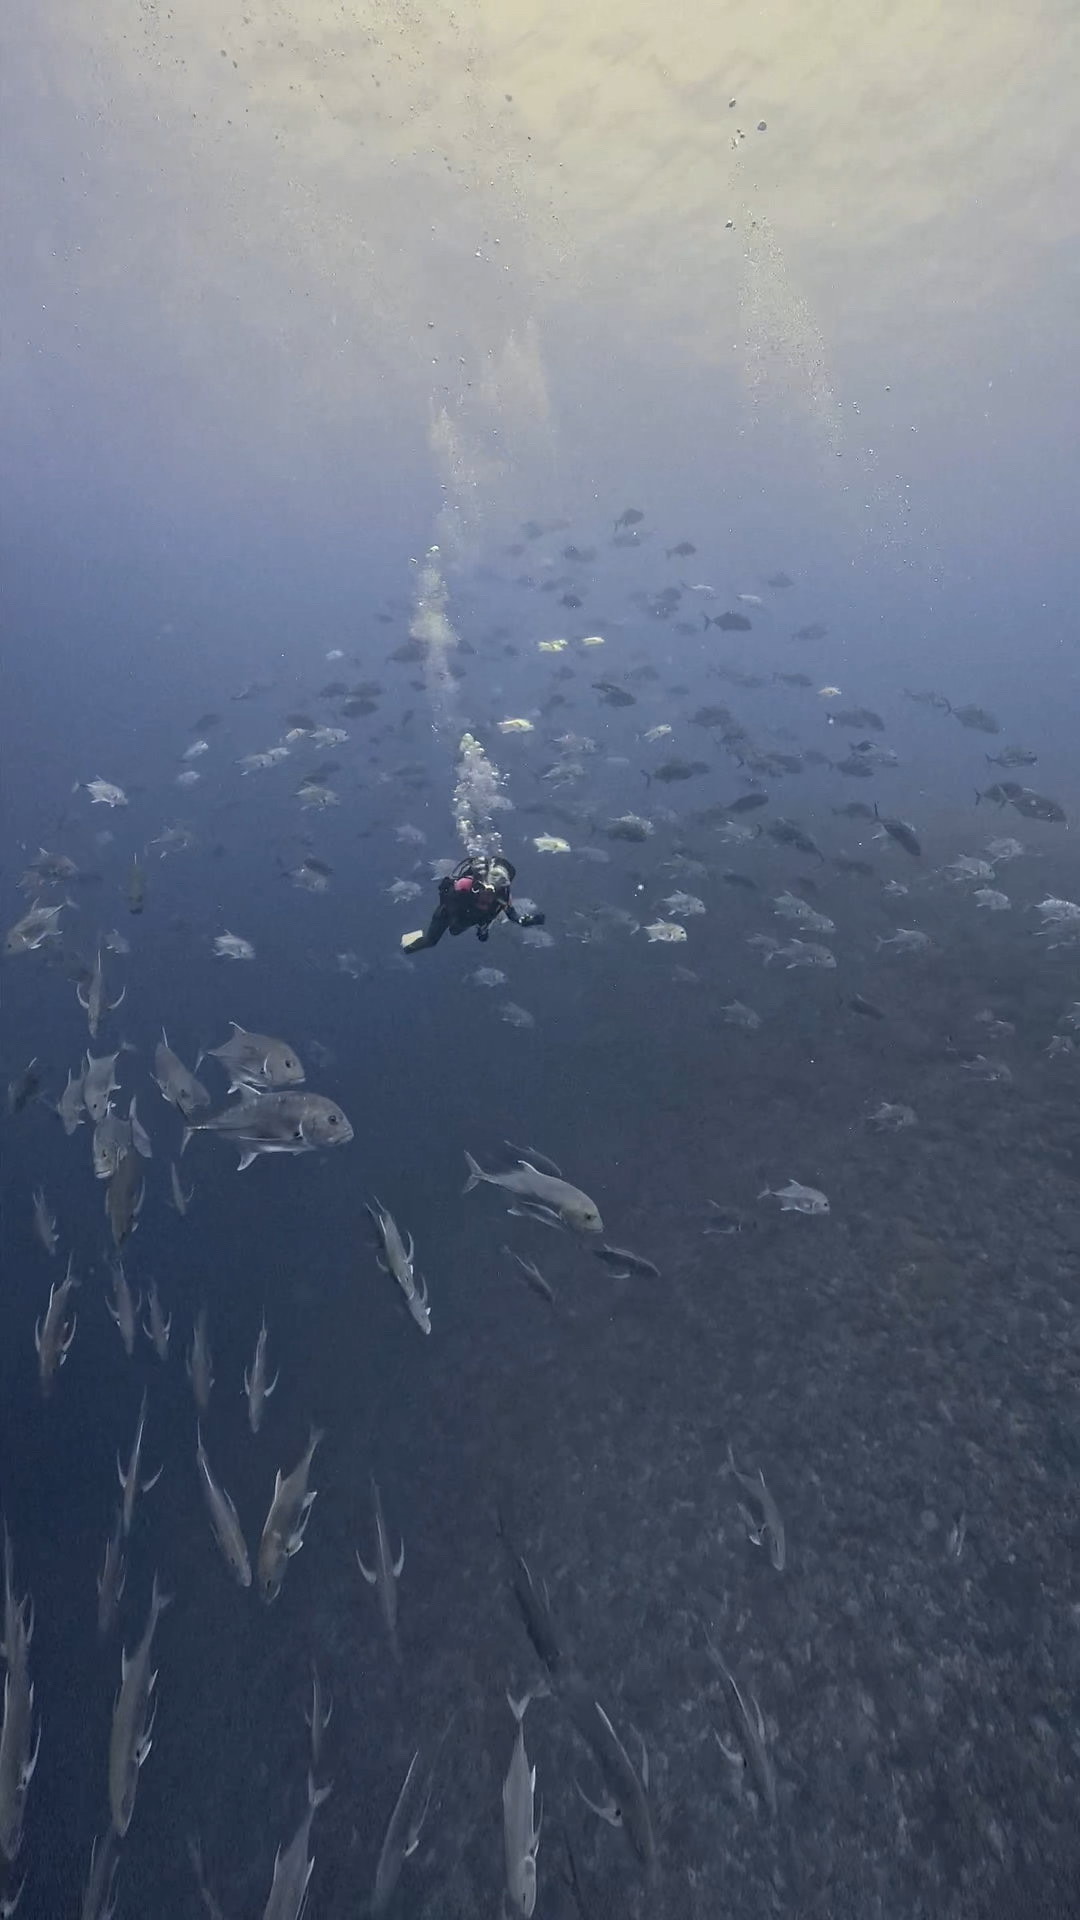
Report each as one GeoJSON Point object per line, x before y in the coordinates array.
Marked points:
{"type": "Point", "coordinates": [132, 1723]}
{"type": "Point", "coordinates": [527, 1182]}
{"type": "Point", "coordinates": [276, 1122]}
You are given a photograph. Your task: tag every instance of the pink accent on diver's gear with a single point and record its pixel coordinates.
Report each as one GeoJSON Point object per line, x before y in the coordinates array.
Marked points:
{"type": "Point", "coordinates": [464, 885]}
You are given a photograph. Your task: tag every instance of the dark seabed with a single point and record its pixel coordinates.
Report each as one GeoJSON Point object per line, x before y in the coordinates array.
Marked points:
{"type": "Point", "coordinates": [431, 438]}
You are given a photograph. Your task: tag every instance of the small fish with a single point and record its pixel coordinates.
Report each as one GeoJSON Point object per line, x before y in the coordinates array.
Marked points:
{"type": "Point", "coordinates": [533, 1276]}
{"type": "Point", "coordinates": [180, 1200]}
{"type": "Point", "coordinates": [293, 1869]}
{"type": "Point", "coordinates": [18, 1745]}
{"type": "Point", "coordinates": [1036, 806]}
{"type": "Point", "coordinates": [158, 1328]}
{"type": "Point", "coordinates": [398, 1261]}
{"type": "Point", "coordinates": [664, 930]}
{"type": "Point", "coordinates": [130, 1482]}
{"type": "Point", "coordinates": [888, 1118]}
{"type": "Point", "coordinates": [23, 1088]}
{"type": "Point", "coordinates": [256, 1386]}
{"type": "Point", "coordinates": [624, 1263]}
{"type": "Point", "coordinates": [521, 1827]}
{"type": "Point", "coordinates": [736, 1014]}
{"type": "Point", "coordinates": [975, 718]}
{"type": "Point", "coordinates": [112, 1139]}
{"type": "Point", "coordinates": [286, 1522]}
{"type": "Point", "coordinates": [133, 1720]}
{"type": "Point", "coordinates": [124, 1198]}
{"type": "Point", "coordinates": [32, 931]}
{"type": "Point", "coordinates": [55, 1331]}
{"type": "Point", "coordinates": [386, 1572]}
{"type": "Point", "coordinates": [626, 1805]}
{"type": "Point", "coordinates": [525, 1182]}
{"type": "Point", "coordinates": [795, 1198]}
{"type": "Point", "coordinates": [1013, 757]}
{"type": "Point", "coordinates": [402, 1835]}
{"type": "Point", "coordinates": [905, 939]}
{"type": "Point", "coordinates": [682, 552]}
{"type": "Point", "coordinates": [769, 1526]}
{"type": "Point", "coordinates": [859, 1004]}
{"type": "Point", "coordinates": [199, 1363]}
{"type": "Point", "coordinates": [322, 1708]}
{"type": "Point", "coordinates": [787, 834]}
{"type": "Point", "coordinates": [258, 1060]}
{"type": "Point", "coordinates": [902, 832]}
{"type": "Point", "coordinates": [629, 517]}
{"type": "Point", "coordinates": [71, 1106]}
{"type": "Point", "coordinates": [550, 843]}
{"type": "Point", "coordinates": [179, 1087]}
{"type": "Point", "coordinates": [136, 899]}
{"type": "Point", "coordinates": [112, 1579]}
{"type": "Point", "coordinates": [122, 1308]}
{"type": "Point", "coordinates": [102, 792]}
{"type": "Point", "coordinates": [752, 1726]}
{"type": "Point", "coordinates": [728, 622]}
{"type": "Point", "coordinates": [230, 946]}
{"type": "Point", "coordinates": [992, 900]}
{"type": "Point", "coordinates": [224, 1518]}
{"type": "Point", "coordinates": [44, 1222]}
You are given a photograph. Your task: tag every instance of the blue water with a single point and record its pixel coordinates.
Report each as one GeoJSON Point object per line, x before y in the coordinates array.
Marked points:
{"type": "Point", "coordinates": [311, 321]}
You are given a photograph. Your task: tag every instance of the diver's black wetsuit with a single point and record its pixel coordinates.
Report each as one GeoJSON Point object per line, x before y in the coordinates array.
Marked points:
{"type": "Point", "coordinates": [474, 895]}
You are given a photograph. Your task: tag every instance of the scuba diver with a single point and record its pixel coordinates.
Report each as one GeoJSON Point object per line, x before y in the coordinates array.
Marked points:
{"type": "Point", "coordinates": [473, 895]}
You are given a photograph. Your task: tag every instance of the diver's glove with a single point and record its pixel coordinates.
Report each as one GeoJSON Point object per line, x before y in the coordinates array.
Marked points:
{"type": "Point", "coordinates": [483, 933]}
{"type": "Point", "coordinates": [410, 941]}
{"type": "Point", "coordinates": [531, 919]}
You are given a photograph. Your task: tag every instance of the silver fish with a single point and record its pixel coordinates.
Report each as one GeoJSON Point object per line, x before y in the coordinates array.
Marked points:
{"type": "Point", "coordinates": [123, 1309]}
{"type": "Point", "coordinates": [533, 1276]}
{"type": "Point", "coordinates": [293, 1868]}
{"type": "Point", "coordinates": [200, 1364]}
{"type": "Point", "coordinates": [93, 999]}
{"type": "Point", "coordinates": [572, 1206]}
{"type": "Point", "coordinates": [140, 1139]}
{"type": "Point", "coordinates": [322, 1708]}
{"type": "Point", "coordinates": [769, 1527]}
{"type": "Point", "coordinates": [98, 1082]}
{"type": "Point", "coordinates": [179, 1087]}
{"type": "Point", "coordinates": [54, 1333]}
{"type": "Point", "coordinates": [157, 1328]}
{"type": "Point", "coordinates": [402, 1835]}
{"type": "Point", "coordinates": [623, 1263]}
{"type": "Point", "coordinates": [112, 1579]}
{"type": "Point", "coordinates": [795, 1198]}
{"type": "Point", "coordinates": [626, 1804]}
{"type": "Point", "coordinates": [181, 1200]}
{"type": "Point", "coordinates": [276, 1122]}
{"type": "Point", "coordinates": [753, 1734]}
{"type": "Point", "coordinates": [398, 1262]}
{"type": "Point", "coordinates": [44, 1222]}
{"type": "Point", "coordinates": [18, 1745]}
{"type": "Point", "coordinates": [112, 1139]}
{"type": "Point", "coordinates": [223, 1518]}
{"type": "Point", "coordinates": [35, 927]}
{"type": "Point", "coordinates": [257, 1060]}
{"type": "Point", "coordinates": [99, 1893]}
{"type": "Point", "coordinates": [286, 1522]}
{"type": "Point", "coordinates": [130, 1482]}
{"type": "Point", "coordinates": [133, 1720]}
{"type": "Point", "coordinates": [521, 1837]}
{"type": "Point", "coordinates": [255, 1382]}
{"type": "Point", "coordinates": [386, 1572]}
{"type": "Point", "coordinates": [124, 1197]}
{"type": "Point", "coordinates": [70, 1105]}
